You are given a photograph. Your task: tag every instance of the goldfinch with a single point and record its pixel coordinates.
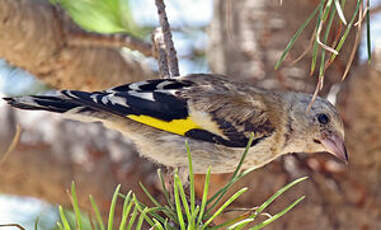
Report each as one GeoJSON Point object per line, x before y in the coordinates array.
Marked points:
{"type": "Point", "coordinates": [214, 113]}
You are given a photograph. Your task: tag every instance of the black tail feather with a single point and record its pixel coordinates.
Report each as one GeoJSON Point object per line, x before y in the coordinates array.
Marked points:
{"type": "Point", "coordinates": [12, 101]}
{"type": "Point", "coordinates": [48, 103]}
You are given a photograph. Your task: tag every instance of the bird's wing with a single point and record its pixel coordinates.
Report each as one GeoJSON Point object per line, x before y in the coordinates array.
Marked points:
{"type": "Point", "coordinates": [202, 107]}
{"type": "Point", "coordinates": [229, 111]}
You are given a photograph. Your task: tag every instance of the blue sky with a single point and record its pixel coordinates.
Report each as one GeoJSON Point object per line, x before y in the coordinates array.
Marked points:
{"type": "Point", "coordinates": [180, 13]}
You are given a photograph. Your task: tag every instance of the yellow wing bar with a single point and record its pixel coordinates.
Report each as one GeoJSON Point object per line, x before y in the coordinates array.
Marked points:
{"type": "Point", "coordinates": [177, 126]}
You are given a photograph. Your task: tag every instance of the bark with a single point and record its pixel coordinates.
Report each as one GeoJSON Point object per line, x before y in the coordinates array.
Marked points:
{"type": "Point", "coordinates": [338, 197]}
{"type": "Point", "coordinates": [34, 38]}
{"type": "Point", "coordinates": [248, 37]}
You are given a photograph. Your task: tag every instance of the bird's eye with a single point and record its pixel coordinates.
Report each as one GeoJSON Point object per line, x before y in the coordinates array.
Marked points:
{"type": "Point", "coordinates": [323, 118]}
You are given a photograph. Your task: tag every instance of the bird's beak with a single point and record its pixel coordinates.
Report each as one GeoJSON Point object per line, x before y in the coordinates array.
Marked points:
{"type": "Point", "coordinates": [335, 145]}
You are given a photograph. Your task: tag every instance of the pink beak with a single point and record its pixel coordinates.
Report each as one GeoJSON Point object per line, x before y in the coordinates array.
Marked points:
{"type": "Point", "coordinates": [335, 145]}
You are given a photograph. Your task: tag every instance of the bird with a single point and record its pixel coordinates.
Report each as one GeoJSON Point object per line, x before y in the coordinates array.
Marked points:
{"type": "Point", "coordinates": [215, 114]}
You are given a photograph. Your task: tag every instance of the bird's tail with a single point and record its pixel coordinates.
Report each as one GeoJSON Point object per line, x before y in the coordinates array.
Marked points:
{"type": "Point", "coordinates": [58, 102]}
{"type": "Point", "coordinates": [51, 102]}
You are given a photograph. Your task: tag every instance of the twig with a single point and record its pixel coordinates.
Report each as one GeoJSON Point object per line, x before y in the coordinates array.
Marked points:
{"type": "Point", "coordinates": [171, 51]}
{"type": "Point", "coordinates": [363, 15]}
{"type": "Point", "coordinates": [307, 50]}
{"type": "Point", "coordinates": [158, 41]}
{"type": "Point", "coordinates": [12, 146]}
{"type": "Point", "coordinates": [12, 225]}
{"type": "Point", "coordinates": [334, 43]}
{"type": "Point", "coordinates": [324, 46]}
{"type": "Point", "coordinates": [355, 45]}
{"type": "Point", "coordinates": [83, 38]}
{"type": "Point", "coordinates": [314, 96]}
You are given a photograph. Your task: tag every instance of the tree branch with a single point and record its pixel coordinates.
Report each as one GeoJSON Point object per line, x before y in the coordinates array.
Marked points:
{"type": "Point", "coordinates": [40, 47]}
{"type": "Point", "coordinates": [166, 30]}
{"type": "Point", "coordinates": [158, 40]}
{"type": "Point", "coordinates": [86, 39]}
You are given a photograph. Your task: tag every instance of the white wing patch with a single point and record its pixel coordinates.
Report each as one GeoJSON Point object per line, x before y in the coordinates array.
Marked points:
{"type": "Point", "coordinates": [136, 85]}
{"type": "Point", "coordinates": [143, 95]}
{"type": "Point", "coordinates": [94, 97]}
{"type": "Point", "coordinates": [161, 85]}
{"type": "Point", "coordinates": [114, 100]}
{"type": "Point", "coordinates": [69, 94]}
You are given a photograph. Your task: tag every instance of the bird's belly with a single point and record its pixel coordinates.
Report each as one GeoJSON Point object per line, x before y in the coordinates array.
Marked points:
{"type": "Point", "coordinates": [169, 150]}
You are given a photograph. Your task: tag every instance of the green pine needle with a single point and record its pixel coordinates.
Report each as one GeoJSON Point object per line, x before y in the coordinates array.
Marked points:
{"type": "Point", "coordinates": [204, 197]}
{"type": "Point", "coordinates": [127, 205]}
{"type": "Point", "coordinates": [225, 205]}
{"type": "Point", "coordinates": [163, 217]}
{"type": "Point", "coordinates": [64, 221]}
{"type": "Point", "coordinates": [191, 178]}
{"type": "Point", "coordinates": [295, 37]}
{"type": "Point", "coordinates": [368, 41]}
{"type": "Point", "coordinates": [276, 216]}
{"type": "Point", "coordinates": [347, 30]}
{"type": "Point", "coordinates": [112, 208]}
{"type": "Point", "coordinates": [277, 194]}
{"type": "Point", "coordinates": [98, 216]}
{"type": "Point", "coordinates": [76, 206]}
{"type": "Point", "coordinates": [178, 205]}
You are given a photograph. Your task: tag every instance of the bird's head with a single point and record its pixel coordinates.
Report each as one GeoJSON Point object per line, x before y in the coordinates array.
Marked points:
{"type": "Point", "coordinates": [319, 129]}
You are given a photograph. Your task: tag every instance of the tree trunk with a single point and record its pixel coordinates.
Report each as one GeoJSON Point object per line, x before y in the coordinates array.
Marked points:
{"type": "Point", "coordinates": [247, 37]}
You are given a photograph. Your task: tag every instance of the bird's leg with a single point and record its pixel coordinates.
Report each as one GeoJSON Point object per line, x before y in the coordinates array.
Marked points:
{"type": "Point", "coordinates": [169, 180]}
{"type": "Point", "coordinates": [183, 174]}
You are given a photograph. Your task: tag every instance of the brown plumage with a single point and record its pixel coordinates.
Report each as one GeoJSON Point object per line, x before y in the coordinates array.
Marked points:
{"type": "Point", "coordinates": [215, 114]}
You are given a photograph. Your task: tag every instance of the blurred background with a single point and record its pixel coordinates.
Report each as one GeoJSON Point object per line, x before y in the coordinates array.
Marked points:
{"type": "Point", "coordinates": [242, 39]}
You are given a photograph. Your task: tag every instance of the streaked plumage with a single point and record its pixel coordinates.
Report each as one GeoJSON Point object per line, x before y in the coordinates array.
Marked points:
{"type": "Point", "coordinates": [215, 114]}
